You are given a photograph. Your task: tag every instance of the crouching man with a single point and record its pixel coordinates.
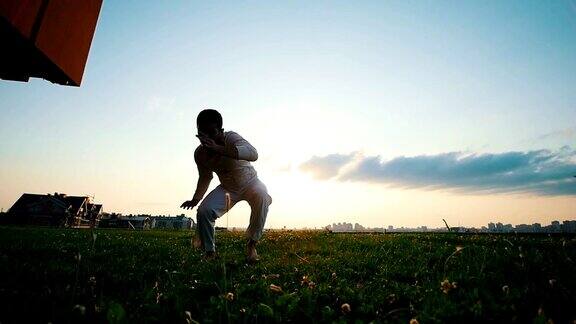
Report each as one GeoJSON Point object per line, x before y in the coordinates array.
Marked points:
{"type": "Point", "coordinates": [229, 156]}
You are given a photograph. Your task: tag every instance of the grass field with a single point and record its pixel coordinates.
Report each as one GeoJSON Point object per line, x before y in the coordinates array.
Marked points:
{"type": "Point", "coordinates": [64, 275]}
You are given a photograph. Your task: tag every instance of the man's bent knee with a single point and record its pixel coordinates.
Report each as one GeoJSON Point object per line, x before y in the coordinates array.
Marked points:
{"type": "Point", "coordinates": [265, 199]}
{"type": "Point", "coordinates": [206, 212]}
{"type": "Point", "coordinates": [261, 198]}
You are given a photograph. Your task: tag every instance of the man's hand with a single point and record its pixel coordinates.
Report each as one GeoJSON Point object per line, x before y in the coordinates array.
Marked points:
{"type": "Point", "coordinates": [189, 204]}
{"type": "Point", "coordinates": [209, 143]}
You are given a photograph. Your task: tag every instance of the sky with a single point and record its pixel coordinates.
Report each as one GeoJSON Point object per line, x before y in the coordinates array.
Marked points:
{"type": "Point", "coordinates": [397, 113]}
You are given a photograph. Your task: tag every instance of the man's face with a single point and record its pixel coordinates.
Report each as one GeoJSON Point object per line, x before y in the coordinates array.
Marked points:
{"type": "Point", "coordinates": [211, 131]}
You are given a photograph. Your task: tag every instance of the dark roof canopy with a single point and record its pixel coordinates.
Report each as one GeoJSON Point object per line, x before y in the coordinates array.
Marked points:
{"type": "Point", "coordinates": [70, 203]}
{"type": "Point", "coordinates": [47, 39]}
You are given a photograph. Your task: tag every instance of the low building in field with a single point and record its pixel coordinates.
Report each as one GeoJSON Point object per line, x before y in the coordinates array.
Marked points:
{"type": "Point", "coordinates": [130, 222]}
{"type": "Point", "coordinates": [172, 222]}
{"type": "Point", "coordinates": [53, 210]}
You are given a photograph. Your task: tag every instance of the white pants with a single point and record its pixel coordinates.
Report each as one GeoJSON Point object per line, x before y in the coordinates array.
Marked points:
{"type": "Point", "coordinates": [217, 204]}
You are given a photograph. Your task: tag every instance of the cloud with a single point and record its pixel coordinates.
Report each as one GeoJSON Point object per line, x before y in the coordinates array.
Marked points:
{"type": "Point", "coordinates": [326, 167]}
{"type": "Point", "coordinates": [567, 133]}
{"type": "Point", "coordinates": [541, 172]}
{"type": "Point", "coordinates": [563, 136]}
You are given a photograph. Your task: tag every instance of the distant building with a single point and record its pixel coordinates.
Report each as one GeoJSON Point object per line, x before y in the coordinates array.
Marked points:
{"type": "Point", "coordinates": [569, 226]}
{"type": "Point", "coordinates": [491, 227]}
{"type": "Point", "coordinates": [130, 222]}
{"type": "Point", "coordinates": [358, 228]}
{"type": "Point", "coordinates": [524, 228]}
{"type": "Point", "coordinates": [53, 210]}
{"type": "Point", "coordinates": [501, 228]}
{"type": "Point", "coordinates": [343, 227]}
{"type": "Point", "coordinates": [172, 222]}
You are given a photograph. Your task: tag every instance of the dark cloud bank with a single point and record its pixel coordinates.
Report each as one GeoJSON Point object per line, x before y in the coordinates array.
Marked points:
{"type": "Point", "coordinates": [541, 172]}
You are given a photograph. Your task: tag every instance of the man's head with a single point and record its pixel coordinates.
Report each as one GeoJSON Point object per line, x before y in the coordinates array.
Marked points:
{"type": "Point", "coordinates": [209, 123]}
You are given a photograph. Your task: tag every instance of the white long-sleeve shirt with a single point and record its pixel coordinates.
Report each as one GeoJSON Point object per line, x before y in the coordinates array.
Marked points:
{"type": "Point", "coordinates": [233, 169]}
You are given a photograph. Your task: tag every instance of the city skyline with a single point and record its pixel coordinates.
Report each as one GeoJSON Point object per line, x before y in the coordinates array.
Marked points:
{"type": "Point", "coordinates": [566, 226]}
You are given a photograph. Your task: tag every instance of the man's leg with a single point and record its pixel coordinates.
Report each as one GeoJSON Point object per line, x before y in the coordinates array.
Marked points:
{"type": "Point", "coordinates": [212, 207]}
{"type": "Point", "coordinates": [259, 200]}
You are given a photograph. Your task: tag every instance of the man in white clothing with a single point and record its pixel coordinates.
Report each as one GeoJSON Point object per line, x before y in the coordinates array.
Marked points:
{"type": "Point", "coordinates": [229, 156]}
